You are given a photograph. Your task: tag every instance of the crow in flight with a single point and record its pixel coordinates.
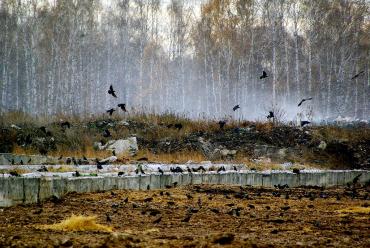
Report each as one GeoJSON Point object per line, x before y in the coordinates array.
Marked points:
{"type": "Point", "coordinates": [271, 115]}
{"type": "Point", "coordinates": [357, 75]}
{"type": "Point", "coordinates": [236, 107]}
{"type": "Point", "coordinates": [222, 124]}
{"type": "Point", "coordinates": [304, 123]}
{"type": "Point", "coordinates": [110, 111]}
{"type": "Point", "coordinates": [111, 91]}
{"type": "Point", "coordinates": [122, 106]}
{"type": "Point", "coordinates": [264, 75]}
{"type": "Point", "coordinates": [303, 100]}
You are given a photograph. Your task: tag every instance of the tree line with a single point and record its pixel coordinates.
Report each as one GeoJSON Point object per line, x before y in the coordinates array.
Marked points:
{"type": "Point", "coordinates": [195, 58]}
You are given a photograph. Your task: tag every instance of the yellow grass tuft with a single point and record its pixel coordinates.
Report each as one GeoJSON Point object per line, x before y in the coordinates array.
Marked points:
{"type": "Point", "coordinates": [78, 223]}
{"type": "Point", "coordinates": [355, 210]}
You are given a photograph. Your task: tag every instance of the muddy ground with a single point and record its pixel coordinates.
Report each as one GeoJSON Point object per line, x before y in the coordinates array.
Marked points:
{"type": "Point", "coordinates": [198, 216]}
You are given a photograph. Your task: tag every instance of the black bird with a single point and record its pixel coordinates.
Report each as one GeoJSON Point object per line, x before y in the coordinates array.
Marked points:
{"type": "Point", "coordinates": [77, 174]}
{"type": "Point", "coordinates": [13, 162]}
{"type": "Point", "coordinates": [28, 140]}
{"type": "Point", "coordinates": [304, 123]}
{"type": "Point", "coordinates": [43, 169]}
{"type": "Point", "coordinates": [68, 161]}
{"type": "Point", "coordinates": [110, 111]}
{"type": "Point", "coordinates": [160, 171]}
{"type": "Point", "coordinates": [21, 163]}
{"type": "Point", "coordinates": [264, 75]}
{"type": "Point", "coordinates": [99, 166]}
{"type": "Point", "coordinates": [122, 106]}
{"type": "Point", "coordinates": [236, 107]}
{"type": "Point", "coordinates": [65, 124]}
{"type": "Point", "coordinates": [106, 133]}
{"type": "Point", "coordinates": [222, 168]}
{"type": "Point", "coordinates": [296, 171]}
{"type": "Point", "coordinates": [114, 153]}
{"type": "Point", "coordinates": [43, 151]}
{"type": "Point", "coordinates": [187, 218]}
{"type": "Point", "coordinates": [111, 91]}
{"type": "Point", "coordinates": [357, 75]}
{"type": "Point", "coordinates": [84, 157]}
{"type": "Point", "coordinates": [201, 168]}
{"type": "Point", "coordinates": [235, 169]}
{"type": "Point", "coordinates": [156, 221]}
{"type": "Point", "coordinates": [271, 115]}
{"type": "Point", "coordinates": [43, 129]}
{"type": "Point", "coordinates": [61, 156]}
{"type": "Point", "coordinates": [303, 100]}
{"type": "Point", "coordinates": [178, 126]}
{"type": "Point", "coordinates": [189, 170]}
{"type": "Point", "coordinates": [120, 173]}
{"type": "Point", "coordinates": [109, 219]}
{"type": "Point", "coordinates": [222, 124]}
{"type": "Point", "coordinates": [14, 174]}
{"type": "Point", "coordinates": [29, 161]}
{"type": "Point", "coordinates": [74, 161]}
{"type": "Point", "coordinates": [355, 180]}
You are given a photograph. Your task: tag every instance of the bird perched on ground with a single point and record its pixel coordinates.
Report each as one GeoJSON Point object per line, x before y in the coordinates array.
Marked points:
{"type": "Point", "coordinates": [160, 171]}
{"type": "Point", "coordinates": [43, 129]}
{"type": "Point", "coordinates": [106, 133]}
{"type": "Point", "coordinates": [111, 91]}
{"type": "Point", "coordinates": [139, 169]}
{"type": "Point", "coordinates": [178, 126]}
{"type": "Point", "coordinates": [43, 151]}
{"type": "Point", "coordinates": [303, 100]}
{"type": "Point", "coordinates": [304, 123]}
{"type": "Point", "coordinates": [110, 111]}
{"type": "Point", "coordinates": [222, 124]}
{"type": "Point", "coordinates": [355, 180]}
{"type": "Point", "coordinates": [65, 124]}
{"type": "Point", "coordinates": [236, 107]}
{"type": "Point", "coordinates": [189, 170]}
{"type": "Point", "coordinates": [201, 168]}
{"type": "Point", "coordinates": [120, 173]}
{"type": "Point", "coordinates": [61, 156]}
{"type": "Point", "coordinates": [77, 174]}
{"type": "Point", "coordinates": [122, 106]}
{"type": "Point", "coordinates": [43, 169]}
{"type": "Point", "coordinates": [296, 171]}
{"type": "Point", "coordinates": [235, 169]}
{"type": "Point", "coordinates": [29, 161]}
{"type": "Point", "coordinates": [271, 115]}
{"type": "Point", "coordinates": [222, 168]}
{"type": "Point", "coordinates": [74, 161]}
{"type": "Point", "coordinates": [357, 75]}
{"type": "Point", "coordinates": [264, 75]}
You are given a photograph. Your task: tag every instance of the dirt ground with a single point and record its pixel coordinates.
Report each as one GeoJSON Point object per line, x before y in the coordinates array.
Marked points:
{"type": "Point", "coordinates": [198, 216]}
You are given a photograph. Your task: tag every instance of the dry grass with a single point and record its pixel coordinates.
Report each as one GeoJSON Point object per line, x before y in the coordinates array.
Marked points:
{"type": "Point", "coordinates": [19, 171]}
{"type": "Point", "coordinates": [88, 151]}
{"type": "Point", "coordinates": [78, 223]}
{"type": "Point", "coordinates": [330, 133]}
{"type": "Point", "coordinates": [354, 210]}
{"type": "Point", "coordinates": [176, 157]}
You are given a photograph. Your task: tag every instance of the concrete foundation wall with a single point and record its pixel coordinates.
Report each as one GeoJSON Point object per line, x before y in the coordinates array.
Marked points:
{"type": "Point", "coordinates": [23, 190]}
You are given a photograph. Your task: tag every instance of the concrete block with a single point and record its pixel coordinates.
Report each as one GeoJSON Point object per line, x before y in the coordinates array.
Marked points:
{"type": "Point", "coordinates": [45, 189]}
{"type": "Point", "coordinates": [110, 183]}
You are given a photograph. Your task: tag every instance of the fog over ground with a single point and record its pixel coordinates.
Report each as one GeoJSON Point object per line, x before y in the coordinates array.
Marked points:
{"type": "Point", "coordinates": [194, 58]}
